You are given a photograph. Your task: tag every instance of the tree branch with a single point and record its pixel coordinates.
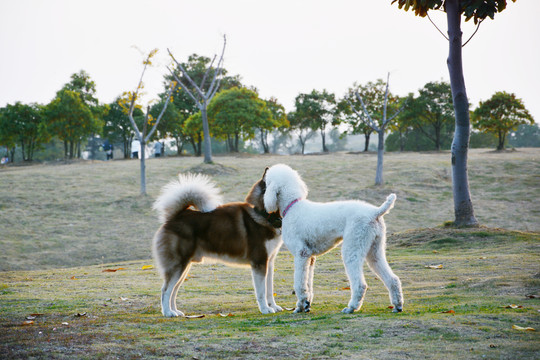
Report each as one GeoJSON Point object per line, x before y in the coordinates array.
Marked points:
{"type": "Point", "coordinates": [161, 113]}
{"type": "Point", "coordinates": [207, 71]}
{"type": "Point", "coordinates": [436, 27]}
{"type": "Point", "coordinates": [371, 123]}
{"type": "Point", "coordinates": [184, 73]}
{"type": "Point", "coordinates": [474, 33]}
{"type": "Point", "coordinates": [211, 90]}
{"type": "Point", "coordinates": [183, 86]}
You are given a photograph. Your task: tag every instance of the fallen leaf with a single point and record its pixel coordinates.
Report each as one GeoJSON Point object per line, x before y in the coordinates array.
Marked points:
{"type": "Point", "coordinates": [519, 328]}
{"type": "Point", "coordinates": [36, 314]}
{"type": "Point", "coordinates": [65, 323]}
{"type": "Point", "coordinates": [435, 252]}
{"type": "Point", "coordinates": [492, 346]}
{"type": "Point", "coordinates": [533, 296]}
{"type": "Point", "coordinates": [123, 298]}
{"type": "Point", "coordinates": [80, 314]}
{"type": "Point", "coordinates": [113, 270]}
{"type": "Point", "coordinates": [147, 267]}
{"type": "Point", "coordinates": [27, 322]}
{"type": "Point", "coordinates": [289, 309]}
{"type": "Point", "coordinates": [448, 312]}
{"type": "Point", "coordinates": [482, 257]}
{"type": "Point", "coordinates": [512, 306]}
{"type": "Point", "coordinates": [225, 315]}
{"type": "Point", "coordinates": [434, 266]}
{"type": "Point", "coordinates": [194, 316]}
{"type": "Point", "coordinates": [73, 278]}
{"type": "Point", "coordinates": [390, 307]}
{"type": "Point", "coordinates": [345, 288]}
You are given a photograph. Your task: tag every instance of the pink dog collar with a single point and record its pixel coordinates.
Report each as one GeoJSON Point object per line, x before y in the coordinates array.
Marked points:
{"type": "Point", "coordinates": [288, 207]}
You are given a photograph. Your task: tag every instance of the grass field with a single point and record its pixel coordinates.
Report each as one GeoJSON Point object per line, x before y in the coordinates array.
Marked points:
{"type": "Point", "coordinates": [62, 225]}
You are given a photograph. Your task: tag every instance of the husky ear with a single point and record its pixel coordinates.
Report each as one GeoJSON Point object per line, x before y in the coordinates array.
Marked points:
{"type": "Point", "coordinates": [270, 198]}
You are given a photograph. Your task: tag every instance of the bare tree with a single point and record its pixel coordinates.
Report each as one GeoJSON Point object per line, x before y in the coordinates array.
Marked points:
{"type": "Point", "coordinates": [379, 127]}
{"type": "Point", "coordinates": [144, 136]}
{"type": "Point", "coordinates": [201, 97]}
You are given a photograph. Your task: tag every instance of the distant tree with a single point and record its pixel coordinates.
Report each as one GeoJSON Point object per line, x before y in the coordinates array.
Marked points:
{"type": "Point", "coordinates": [201, 93]}
{"type": "Point", "coordinates": [21, 123]}
{"type": "Point", "coordinates": [70, 119]}
{"type": "Point", "coordinates": [432, 111]}
{"type": "Point", "coordinates": [373, 94]}
{"type": "Point", "coordinates": [320, 110]}
{"type": "Point", "coordinates": [381, 122]}
{"type": "Point", "coordinates": [236, 113]}
{"type": "Point", "coordinates": [144, 136]}
{"type": "Point", "coordinates": [502, 113]}
{"type": "Point", "coordinates": [479, 11]}
{"type": "Point", "coordinates": [194, 131]}
{"type": "Point", "coordinates": [278, 121]}
{"type": "Point", "coordinates": [117, 127]}
{"type": "Point", "coordinates": [401, 127]}
{"type": "Point", "coordinates": [300, 126]}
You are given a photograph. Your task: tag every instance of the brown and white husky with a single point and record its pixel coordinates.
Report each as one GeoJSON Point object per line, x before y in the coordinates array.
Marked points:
{"type": "Point", "coordinates": [196, 226]}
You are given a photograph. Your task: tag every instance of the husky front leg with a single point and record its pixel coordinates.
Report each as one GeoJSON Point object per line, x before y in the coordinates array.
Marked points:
{"type": "Point", "coordinates": [259, 273]}
{"type": "Point", "coordinates": [270, 285]}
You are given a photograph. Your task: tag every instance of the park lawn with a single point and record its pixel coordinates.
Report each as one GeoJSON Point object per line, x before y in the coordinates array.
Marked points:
{"type": "Point", "coordinates": [64, 224]}
{"type": "Point", "coordinates": [469, 308]}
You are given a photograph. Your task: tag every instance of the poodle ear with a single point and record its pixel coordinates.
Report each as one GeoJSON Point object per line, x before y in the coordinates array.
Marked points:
{"type": "Point", "coordinates": [270, 198]}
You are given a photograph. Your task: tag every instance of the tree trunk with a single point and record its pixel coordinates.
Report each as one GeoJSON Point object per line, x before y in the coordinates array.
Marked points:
{"type": "Point", "coordinates": [323, 136]}
{"type": "Point", "coordinates": [206, 130]}
{"type": "Point", "coordinates": [500, 146]}
{"type": "Point", "coordinates": [366, 137]}
{"type": "Point", "coordinates": [143, 167]}
{"type": "Point", "coordinates": [463, 208]}
{"type": "Point", "coordinates": [380, 155]}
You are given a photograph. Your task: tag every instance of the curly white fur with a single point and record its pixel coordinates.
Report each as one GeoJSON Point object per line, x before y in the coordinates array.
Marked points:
{"type": "Point", "coordinates": [190, 189]}
{"type": "Point", "coordinates": [311, 229]}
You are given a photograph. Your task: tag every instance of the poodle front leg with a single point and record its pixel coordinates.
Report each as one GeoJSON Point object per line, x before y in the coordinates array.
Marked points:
{"type": "Point", "coordinates": [259, 274]}
{"type": "Point", "coordinates": [301, 273]}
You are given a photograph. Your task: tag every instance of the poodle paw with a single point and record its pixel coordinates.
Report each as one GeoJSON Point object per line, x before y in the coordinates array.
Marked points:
{"type": "Point", "coordinates": [348, 310]}
{"type": "Point", "coordinates": [172, 313]}
{"type": "Point", "coordinates": [304, 306]}
{"type": "Point", "coordinates": [276, 308]}
{"type": "Point", "coordinates": [397, 309]}
{"type": "Point", "coordinates": [268, 310]}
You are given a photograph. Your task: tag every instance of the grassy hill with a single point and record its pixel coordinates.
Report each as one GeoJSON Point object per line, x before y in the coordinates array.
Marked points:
{"type": "Point", "coordinates": [63, 225]}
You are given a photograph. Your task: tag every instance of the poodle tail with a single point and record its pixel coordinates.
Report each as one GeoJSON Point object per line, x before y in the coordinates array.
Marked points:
{"type": "Point", "coordinates": [189, 190]}
{"type": "Point", "coordinates": [385, 208]}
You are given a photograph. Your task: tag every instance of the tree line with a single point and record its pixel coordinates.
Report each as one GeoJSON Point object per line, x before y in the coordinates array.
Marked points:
{"type": "Point", "coordinates": [238, 115]}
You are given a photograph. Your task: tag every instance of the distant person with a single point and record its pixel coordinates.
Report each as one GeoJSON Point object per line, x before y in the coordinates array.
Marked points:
{"type": "Point", "coordinates": [5, 160]}
{"type": "Point", "coordinates": [158, 147]}
{"type": "Point", "coordinates": [108, 147]}
{"type": "Point", "coordinates": [135, 148]}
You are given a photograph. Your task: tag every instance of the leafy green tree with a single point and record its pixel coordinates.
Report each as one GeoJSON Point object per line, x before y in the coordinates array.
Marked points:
{"type": "Point", "coordinates": [375, 112]}
{"type": "Point", "coordinates": [82, 84]}
{"type": "Point", "coordinates": [193, 129]}
{"type": "Point", "coordinates": [236, 113]}
{"type": "Point", "coordinates": [301, 126]}
{"type": "Point", "coordinates": [21, 123]}
{"type": "Point", "coordinates": [502, 113]}
{"type": "Point", "coordinates": [201, 93]}
{"type": "Point", "coordinates": [70, 119]}
{"type": "Point", "coordinates": [432, 111]}
{"type": "Point", "coordinates": [278, 121]}
{"type": "Point", "coordinates": [479, 11]}
{"type": "Point", "coordinates": [117, 127]}
{"type": "Point", "coordinates": [320, 110]}
{"type": "Point", "coordinates": [401, 127]}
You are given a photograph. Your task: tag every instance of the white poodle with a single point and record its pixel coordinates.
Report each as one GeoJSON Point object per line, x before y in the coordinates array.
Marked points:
{"type": "Point", "coordinates": [311, 229]}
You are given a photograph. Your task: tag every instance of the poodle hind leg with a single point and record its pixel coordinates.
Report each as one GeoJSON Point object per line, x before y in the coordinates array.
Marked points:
{"type": "Point", "coordinates": [311, 272]}
{"type": "Point", "coordinates": [376, 260]}
{"type": "Point", "coordinates": [353, 255]}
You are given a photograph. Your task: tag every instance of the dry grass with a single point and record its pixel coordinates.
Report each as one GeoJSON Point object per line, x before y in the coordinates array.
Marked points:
{"type": "Point", "coordinates": [91, 212]}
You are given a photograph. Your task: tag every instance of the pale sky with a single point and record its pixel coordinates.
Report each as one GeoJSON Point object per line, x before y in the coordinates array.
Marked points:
{"type": "Point", "coordinates": [283, 48]}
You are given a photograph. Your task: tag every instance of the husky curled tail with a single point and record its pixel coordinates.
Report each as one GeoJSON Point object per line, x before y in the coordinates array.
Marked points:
{"type": "Point", "coordinates": [189, 190]}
